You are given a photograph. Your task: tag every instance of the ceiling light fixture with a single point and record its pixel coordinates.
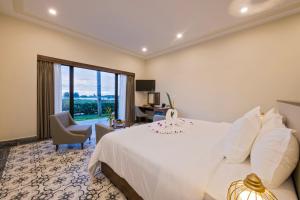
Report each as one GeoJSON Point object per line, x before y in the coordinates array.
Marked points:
{"type": "Point", "coordinates": [52, 11]}
{"type": "Point", "coordinates": [244, 9]}
{"type": "Point", "coordinates": [179, 35]}
{"type": "Point", "coordinates": [144, 49]}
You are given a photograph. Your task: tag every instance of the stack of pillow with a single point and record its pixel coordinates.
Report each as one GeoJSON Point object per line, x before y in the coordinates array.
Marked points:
{"type": "Point", "coordinates": [272, 147]}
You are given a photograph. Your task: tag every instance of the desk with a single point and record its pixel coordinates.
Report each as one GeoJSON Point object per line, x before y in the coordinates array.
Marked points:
{"type": "Point", "coordinates": [154, 110]}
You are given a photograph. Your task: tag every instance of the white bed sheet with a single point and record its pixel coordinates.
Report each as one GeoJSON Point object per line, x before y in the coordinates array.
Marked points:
{"type": "Point", "coordinates": [226, 173]}
{"type": "Point", "coordinates": [160, 167]}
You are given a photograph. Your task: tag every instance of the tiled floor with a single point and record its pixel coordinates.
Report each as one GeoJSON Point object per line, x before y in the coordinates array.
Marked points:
{"type": "Point", "coordinates": [37, 171]}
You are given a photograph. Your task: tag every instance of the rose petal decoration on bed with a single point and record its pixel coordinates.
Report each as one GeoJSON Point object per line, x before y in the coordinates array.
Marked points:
{"type": "Point", "coordinates": [170, 126]}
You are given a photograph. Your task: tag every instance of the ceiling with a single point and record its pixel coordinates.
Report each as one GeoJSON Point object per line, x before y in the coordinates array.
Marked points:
{"type": "Point", "coordinates": [129, 25]}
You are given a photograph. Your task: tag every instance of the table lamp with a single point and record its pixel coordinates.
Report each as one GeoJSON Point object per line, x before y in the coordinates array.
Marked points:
{"type": "Point", "coordinates": [249, 189]}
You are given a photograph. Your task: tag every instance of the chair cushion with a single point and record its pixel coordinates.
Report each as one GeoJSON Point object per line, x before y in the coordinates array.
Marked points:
{"type": "Point", "coordinates": [158, 117]}
{"type": "Point", "coordinates": [80, 129]}
{"type": "Point", "coordinates": [63, 117]}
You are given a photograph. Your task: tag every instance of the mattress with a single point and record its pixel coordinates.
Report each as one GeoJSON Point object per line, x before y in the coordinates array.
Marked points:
{"type": "Point", "coordinates": [163, 166]}
{"type": "Point", "coordinates": [187, 165]}
{"type": "Point", "coordinates": [226, 173]}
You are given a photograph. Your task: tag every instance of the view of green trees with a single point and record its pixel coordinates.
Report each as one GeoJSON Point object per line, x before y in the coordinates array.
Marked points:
{"type": "Point", "coordinates": [86, 107]}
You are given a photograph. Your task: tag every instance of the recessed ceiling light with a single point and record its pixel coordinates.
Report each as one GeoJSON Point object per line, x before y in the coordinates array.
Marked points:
{"type": "Point", "coordinates": [52, 11]}
{"type": "Point", "coordinates": [244, 9]}
{"type": "Point", "coordinates": [144, 49]}
{"type": "Point", "coordinates": [179, 35]}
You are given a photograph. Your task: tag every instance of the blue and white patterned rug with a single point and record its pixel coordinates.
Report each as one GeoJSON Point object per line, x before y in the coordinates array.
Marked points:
{"type": "Point", "coordinates": [37, 171]}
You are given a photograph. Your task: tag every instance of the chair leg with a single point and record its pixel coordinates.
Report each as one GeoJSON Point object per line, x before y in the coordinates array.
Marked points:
{"type": "Point", "coordinates": [81, 145]}
{"type": "Point", "coordinates": [89, 138]}
{"type": "Point", "coordinates": [56, 148]}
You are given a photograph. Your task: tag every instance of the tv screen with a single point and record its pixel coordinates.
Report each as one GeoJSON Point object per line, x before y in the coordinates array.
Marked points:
{"type": "Point", "coordinates": [145, 85]}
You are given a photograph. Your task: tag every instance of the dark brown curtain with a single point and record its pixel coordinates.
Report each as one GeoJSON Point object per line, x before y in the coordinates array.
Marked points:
{"type": "Point", "coordinates": [45, 98]}
{"type": "Point", "coordinates": [130, 103]}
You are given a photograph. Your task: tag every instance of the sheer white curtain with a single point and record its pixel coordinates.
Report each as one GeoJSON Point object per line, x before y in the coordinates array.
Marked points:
{"type": "Point", "coordinates": [122, 96]}
{"type": "Point", "coordinates": [57, 88]}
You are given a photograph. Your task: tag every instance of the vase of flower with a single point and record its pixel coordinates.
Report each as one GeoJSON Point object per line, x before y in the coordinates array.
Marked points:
{"type": "Point", "coordinates": [110, 115]}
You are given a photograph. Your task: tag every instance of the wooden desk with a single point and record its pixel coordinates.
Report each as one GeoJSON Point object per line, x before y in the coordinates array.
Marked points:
{"type": "Point", "coordinates": [160, 110]}
{"type": "Point", "coordinates": [154, 110]}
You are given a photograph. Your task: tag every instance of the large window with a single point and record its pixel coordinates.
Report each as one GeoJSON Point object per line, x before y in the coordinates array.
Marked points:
{"type": "Point", "coordinates": [108, 92]}
{"type": "Point", "coordinates": [89, 94]}
{"type": "Point", "coordinates": [65, 89]}
{"type": "Point", "coordinates": [85, 94]}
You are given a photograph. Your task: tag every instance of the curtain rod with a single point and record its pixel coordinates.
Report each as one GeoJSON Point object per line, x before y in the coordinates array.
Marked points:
{"type": "Point", "coordinates": [83, 65]}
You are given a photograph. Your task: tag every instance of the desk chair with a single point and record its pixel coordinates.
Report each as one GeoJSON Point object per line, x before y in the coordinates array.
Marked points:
{"type": "Point", "coordinates": [141, 115]}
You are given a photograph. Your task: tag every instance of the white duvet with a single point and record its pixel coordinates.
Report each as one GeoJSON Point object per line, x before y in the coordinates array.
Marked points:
{"type": "Point", "coordinates": [163, 166]}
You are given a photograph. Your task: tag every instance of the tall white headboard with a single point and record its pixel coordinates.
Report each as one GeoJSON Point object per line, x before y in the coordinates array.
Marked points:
{"type": "Point", "coordinates": [291, 112]}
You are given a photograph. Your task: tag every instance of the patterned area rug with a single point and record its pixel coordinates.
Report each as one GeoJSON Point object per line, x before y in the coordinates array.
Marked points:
{"type": "Point", "coordinates": [37, 171]}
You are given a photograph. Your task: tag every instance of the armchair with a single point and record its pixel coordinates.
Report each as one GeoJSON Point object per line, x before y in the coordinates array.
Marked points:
{"type": "Point", "coordinates": [101, 130]}
{"type": "Point", "coordinates": [64, 130]}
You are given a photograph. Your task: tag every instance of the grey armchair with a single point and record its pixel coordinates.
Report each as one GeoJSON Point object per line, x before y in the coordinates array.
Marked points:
{"type": "Point", "coordinates": [64, 130]}
{"type": "Point", "coordinates": [101, 130]}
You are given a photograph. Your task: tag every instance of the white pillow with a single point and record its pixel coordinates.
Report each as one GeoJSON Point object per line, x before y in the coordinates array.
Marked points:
{"type": "Point", "coordinates": [268, 115]}
{"type": "Point", "coordinates": [241, 135]}
{"type": "Point", "coordinates": [274, 156]}
{"type": "Point", "coordinates": [273, 122]}
{"type": "Point", "coordinates": [254, 112]}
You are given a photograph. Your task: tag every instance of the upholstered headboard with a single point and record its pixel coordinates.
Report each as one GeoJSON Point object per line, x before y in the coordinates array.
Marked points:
{"type": "Point", "coordinates": [291, 112]}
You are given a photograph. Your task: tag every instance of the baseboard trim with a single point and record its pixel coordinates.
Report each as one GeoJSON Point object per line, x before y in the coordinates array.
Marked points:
{"type": "Point", "coordinates": [19, 141]}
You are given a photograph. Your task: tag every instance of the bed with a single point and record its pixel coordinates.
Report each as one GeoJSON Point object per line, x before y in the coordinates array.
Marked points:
{"type": "Point", "coordinates": [146, 165]}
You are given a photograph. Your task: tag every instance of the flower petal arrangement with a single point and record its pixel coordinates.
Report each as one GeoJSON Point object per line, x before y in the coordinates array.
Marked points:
{"type": "Point", "coordinates": [175, 126]}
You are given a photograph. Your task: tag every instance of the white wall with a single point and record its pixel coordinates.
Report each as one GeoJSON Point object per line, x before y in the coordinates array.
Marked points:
{"type": "Point", "coordinates": [20, 43]}
{"type": "Point", "coordinates": [216, 80]}
{"type": "Point", "coordinates": [222, 78]}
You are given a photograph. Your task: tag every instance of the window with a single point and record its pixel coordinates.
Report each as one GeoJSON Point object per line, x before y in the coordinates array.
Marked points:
{"type": "Point", "coordinates": [87, 93]}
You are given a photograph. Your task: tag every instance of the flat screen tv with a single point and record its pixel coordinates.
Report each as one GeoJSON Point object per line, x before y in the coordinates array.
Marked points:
{"type": "Point", "coordinates": [145, 85]}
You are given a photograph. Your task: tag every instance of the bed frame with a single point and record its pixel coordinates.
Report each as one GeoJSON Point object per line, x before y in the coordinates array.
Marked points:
{"type": "Point", "coordinates": [289, 110]}
{"type": "Point", "coordinates": [120, 182]}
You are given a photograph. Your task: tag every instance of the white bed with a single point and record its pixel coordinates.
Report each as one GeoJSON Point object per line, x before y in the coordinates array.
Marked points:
{"type": "Point", "coordinates": [173, 166]}
{"type": "Point", "coordinates": [163, 166]}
